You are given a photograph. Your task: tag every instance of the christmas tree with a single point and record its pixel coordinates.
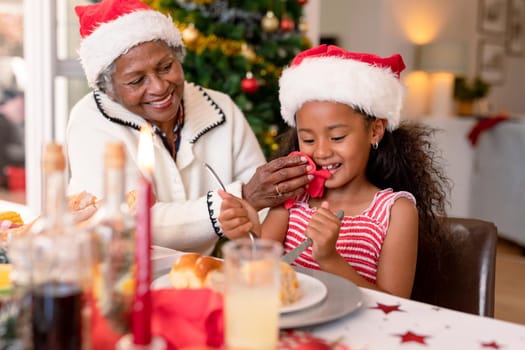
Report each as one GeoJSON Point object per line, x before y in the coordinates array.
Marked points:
{"type": "Point", "coordinates": [240, 47]}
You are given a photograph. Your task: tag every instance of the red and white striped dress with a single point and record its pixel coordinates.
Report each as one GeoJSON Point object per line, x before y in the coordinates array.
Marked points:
{"type": "Point", "coordinates": [360, 238]}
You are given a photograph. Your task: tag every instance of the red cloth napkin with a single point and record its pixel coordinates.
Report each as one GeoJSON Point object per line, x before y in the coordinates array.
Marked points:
{"type": "Point", "coordinates": [299, 340]}
{"type": "Point", "coordinates": [484, 125]}
{"type": "Point", "coordinates": [316, 187]}
{"type": "Point", "coordinates": [183, 317]}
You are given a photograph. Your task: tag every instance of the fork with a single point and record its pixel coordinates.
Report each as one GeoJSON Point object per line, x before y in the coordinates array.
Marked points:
{"type": "Point", "coordinates": [221, 184]}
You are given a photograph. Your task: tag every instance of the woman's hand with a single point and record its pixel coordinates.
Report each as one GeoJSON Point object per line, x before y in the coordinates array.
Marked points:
{"type": "Point", "coordinates": [237, 217]}
{"type": "Point", "coordinates": [277, 181]}
{"type": "Point", "coordinates": [323, 229]}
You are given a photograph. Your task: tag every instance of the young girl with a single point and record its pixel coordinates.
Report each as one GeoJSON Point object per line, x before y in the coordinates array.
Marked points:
{"type": "Point", "coordinates": [344, 110]}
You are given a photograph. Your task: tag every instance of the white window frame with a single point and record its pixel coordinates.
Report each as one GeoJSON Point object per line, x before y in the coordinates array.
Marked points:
{"type": "Point", "coordinates": [45, 114]}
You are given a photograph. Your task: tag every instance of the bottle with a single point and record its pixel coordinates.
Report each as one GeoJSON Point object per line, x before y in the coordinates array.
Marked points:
{"type": "Point", "coordinates": [51, 266]}
{"type": "Point", "coordinates": [112, 233]}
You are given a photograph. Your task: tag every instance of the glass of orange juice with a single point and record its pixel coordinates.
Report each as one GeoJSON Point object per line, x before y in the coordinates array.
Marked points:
{"type": "Point", "coordinates": [251, 293]}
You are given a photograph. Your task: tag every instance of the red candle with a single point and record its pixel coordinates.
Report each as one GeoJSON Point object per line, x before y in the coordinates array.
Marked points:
{"type": "Point", "coordinates": [141, 314]}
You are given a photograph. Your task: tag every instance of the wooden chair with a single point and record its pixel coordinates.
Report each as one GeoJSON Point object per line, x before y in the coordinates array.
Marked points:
{"type": "Point", "coordinates": [466, 279]}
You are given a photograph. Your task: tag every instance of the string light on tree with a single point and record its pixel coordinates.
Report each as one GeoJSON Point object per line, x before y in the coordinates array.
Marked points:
{"type": "Point", "coordinates": [249, 84]}
{"type": "Point", "coordinates": [302, 2]}
{"type": "Point", "coordinates": [248, 52]}
{"type": "Point", "coordinates": [269, 22]}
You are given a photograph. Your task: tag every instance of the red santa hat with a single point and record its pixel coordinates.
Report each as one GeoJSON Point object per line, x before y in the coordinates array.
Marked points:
{"type": "Point", "coordinates": [360, 80]}
{"type": "Point", "coordinates": [111, 27]}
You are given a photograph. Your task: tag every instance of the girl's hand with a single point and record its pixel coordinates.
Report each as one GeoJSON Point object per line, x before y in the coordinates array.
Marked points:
{"type": "Point", "coordinates": [323, 229]}
{"type": "Point", "coordinates": [237, 217]}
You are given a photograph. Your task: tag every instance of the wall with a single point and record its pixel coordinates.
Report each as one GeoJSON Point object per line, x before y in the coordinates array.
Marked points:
{"type": "Point", "coordinates": [395, 26]}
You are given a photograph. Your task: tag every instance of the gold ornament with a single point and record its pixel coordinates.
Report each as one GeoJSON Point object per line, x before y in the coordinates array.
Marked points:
{"type": "Point", "coordinates": [270, 23]}
{"type": "Point", "coordinates": [190, 34]}
{"type": "Point", "coordinates": [303, 25]}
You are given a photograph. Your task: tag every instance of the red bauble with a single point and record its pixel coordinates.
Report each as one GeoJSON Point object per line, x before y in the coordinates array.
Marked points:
{"type": "Point", "coordinates": [287, 24]}
{"type": "Point", "coordinates": [302, 2]}
{"type": "Point", "coordinates": [249, 85]}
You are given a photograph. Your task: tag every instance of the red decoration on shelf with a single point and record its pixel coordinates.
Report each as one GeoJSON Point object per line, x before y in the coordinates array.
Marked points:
{"type": "Point", "coordinates": [287, 24]}
{"type": "Point", "coordinates": [483, 125]}
{"type": "Point", "coordinates": [302, 2]}
{"type": "Point", "coordinates": [249, 84]}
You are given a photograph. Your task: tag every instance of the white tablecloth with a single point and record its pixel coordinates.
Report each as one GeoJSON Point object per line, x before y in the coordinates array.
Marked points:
{"type": "Point", "coordinates": [388, 322]}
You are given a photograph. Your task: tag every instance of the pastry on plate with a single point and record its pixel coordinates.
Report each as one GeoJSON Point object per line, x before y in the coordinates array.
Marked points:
{"type": "Point", "coordinates": [194, 270]}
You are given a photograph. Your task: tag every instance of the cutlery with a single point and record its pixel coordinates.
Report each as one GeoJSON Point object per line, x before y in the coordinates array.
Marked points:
{"type": "Point", "coordinates": [294, 253]}
{"type": "Point", "coordinates": [221, 184]}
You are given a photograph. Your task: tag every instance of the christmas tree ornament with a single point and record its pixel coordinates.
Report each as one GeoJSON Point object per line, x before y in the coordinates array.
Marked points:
{"type": "Point", "coordinates": [302, 2]}
{"type": "Point", "coordinates": [269, 22]}
{"type": "Point", "coordinates": [303, 25]}
{"type": "Point", "coordinates": [249, 84]}
{"type": "Point", "coordinates": [190, 34]}
{"type": "Point", "coordinates": [248, 52]}
{"type": "Point", "coordinates": [287, 24]}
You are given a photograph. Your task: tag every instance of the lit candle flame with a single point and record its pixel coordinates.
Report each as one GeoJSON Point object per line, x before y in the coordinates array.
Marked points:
{"type": "Point", "coordinates": [145, 151]}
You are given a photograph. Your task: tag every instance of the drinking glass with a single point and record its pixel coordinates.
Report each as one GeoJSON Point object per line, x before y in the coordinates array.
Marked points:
{"type": "Point", "coordinates": [251, 295]}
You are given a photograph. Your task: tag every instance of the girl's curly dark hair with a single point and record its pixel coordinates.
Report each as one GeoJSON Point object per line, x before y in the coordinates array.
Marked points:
{"type": "Point", "coordinates": [406, 160]}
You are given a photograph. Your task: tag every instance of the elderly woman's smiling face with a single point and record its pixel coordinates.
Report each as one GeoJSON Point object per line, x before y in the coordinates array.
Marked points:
{"type": "Point", "coordinates": [149, 81]}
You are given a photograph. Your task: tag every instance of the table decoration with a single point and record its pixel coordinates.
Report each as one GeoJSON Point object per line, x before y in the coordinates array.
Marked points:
{"type": "Point", "coordinates": [141, 337]}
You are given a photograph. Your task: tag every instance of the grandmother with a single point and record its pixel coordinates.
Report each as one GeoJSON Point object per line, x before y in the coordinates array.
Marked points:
{"type": "Point", "coordinates": [132, 58]}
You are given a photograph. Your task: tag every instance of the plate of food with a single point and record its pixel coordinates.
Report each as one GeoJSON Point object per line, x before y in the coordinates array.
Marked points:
{"type": "Point", "coordinates": [298, 290]}
{"type": "Point", "coordinates": [343, 297]}
{"type": "Point", "coordinates": [311, 292]}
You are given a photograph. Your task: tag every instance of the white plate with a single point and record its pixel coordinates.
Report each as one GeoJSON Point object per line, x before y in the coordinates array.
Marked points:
{"type": "Point", "coordinates": [343, 298]}
{"type": "Point", "coordinates": [161, 282]}
{"type": "Point", "coordinates": [312, 291]}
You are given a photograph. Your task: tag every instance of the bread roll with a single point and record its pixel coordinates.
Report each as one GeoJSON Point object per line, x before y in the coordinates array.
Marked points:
{"type": "Point", "coordinates": [193, 270]}
{"type": "Point", "coordinates": [81, 200]}
{"type": "Point", "coordinates": [82, 206]}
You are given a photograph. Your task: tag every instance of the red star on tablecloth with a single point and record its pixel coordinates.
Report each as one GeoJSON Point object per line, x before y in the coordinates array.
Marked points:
{"type": "Point", "coordinates": [492, 345]}
{"type": "Point", "coordinates": [412, 337]}
{"type": "Point", "coordinates": [387, 308]}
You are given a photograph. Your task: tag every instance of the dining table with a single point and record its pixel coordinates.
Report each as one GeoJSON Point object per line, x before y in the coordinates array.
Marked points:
{"type": "Point", "coordinates": [385, 321]}
{"type": "Point", "coordinates": [353, 318]}
{"type": "Point", "coordinates": [348, 317]}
